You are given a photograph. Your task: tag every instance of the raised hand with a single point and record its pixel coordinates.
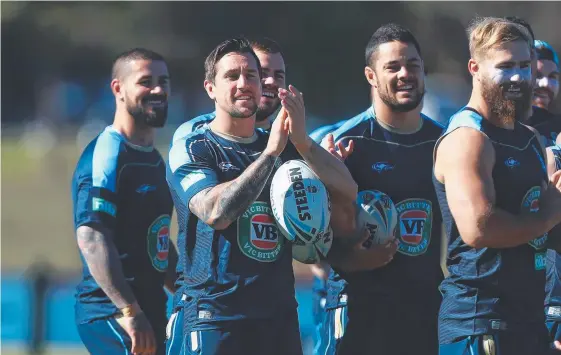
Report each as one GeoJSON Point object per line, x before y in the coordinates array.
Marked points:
{"type": "Point", "coordinates": [279, 134]}
{"type": "Point", "coordinates": [293, 101]}
{"type": "Point", "coordinates": [339, 150]}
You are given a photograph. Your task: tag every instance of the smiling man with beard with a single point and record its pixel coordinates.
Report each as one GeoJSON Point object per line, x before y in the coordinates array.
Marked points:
{"type": "Point", "coordinates": [238, 279]}
{"type": "Point", "coordinates": [384, 291]}
{"type": "Point", "coordinates": [273, 77]}
{"type": "Point", "coordinates": [273, 73]}
{"type": "Point", "coordinates": [122, 212]}
{"type": "Point", "coordinates": [491, 179]}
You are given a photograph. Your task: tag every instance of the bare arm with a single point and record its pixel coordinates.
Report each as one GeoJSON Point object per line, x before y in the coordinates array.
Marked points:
{"type": "Point", "coordinates": [222, 204]}
{"type": "Point", "coordinates": [357, 258]}
{"type": "Point", "coordinates": [330, 170]}
{"type": "Point", "coordinates": [101, 256]}
{"type": "Point", "coordinates": [466, 171]}
{"type": "Point", "coordinates": [171, 275]}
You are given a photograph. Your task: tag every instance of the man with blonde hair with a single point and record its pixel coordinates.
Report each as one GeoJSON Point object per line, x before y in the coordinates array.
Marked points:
{"type": "Point", "coordinates": [497, 203]}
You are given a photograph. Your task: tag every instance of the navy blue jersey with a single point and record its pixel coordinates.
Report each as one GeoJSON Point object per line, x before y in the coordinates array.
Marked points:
{"type": "Point", "coordinates": [400, 165]}
{"type": "Point", "coordinates": [547, 124]}
{"type": "Point", "coordinates": [191, 125]}
{"type": "Point", "coordinates": [122, 188]}
{"type": "Point", "coordinates": [245, 270]}
{"type": "Point", "coordinates": [182, 131]}
{"type": "Point", "coordinates": [488, 286]}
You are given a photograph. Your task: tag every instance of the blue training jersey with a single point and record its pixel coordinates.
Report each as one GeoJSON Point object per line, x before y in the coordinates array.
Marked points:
{"type": "Point", "coordinates": [185, 129]}
{"type": "Point", "coordinates": [245, 270]}
{"type": "Point", "coordinates": [319, 133]}
{"type": "Point", "coordinates": [122, 188]}
{"type": "Point", "coordinates": [182, 131]}
{"type": "Point", "coordinates": [547, 124]}
{"type": "Point", "coordinates": [490, 287]}
{"type": "Point", "coordinates": [399, 165]}
{"type": "Point", "coordinates": [193, 124]}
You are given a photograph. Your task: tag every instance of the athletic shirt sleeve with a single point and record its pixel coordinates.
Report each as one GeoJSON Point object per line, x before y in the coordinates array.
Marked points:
{"type": "Point", "coordinates": [96, 181]}
{"type": "Point", "coordinates": [192, 167]}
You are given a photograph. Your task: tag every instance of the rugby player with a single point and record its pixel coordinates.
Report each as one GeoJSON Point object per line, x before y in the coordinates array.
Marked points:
{"type": "Point", "coordinates": [273, 71]}
{"type": "Point", "coordinates": [489, 171]}
{"type": "Point", "coordinates": [122, 211]}
{"type": "Point", "coordinates": [238, 275]}
{"type": "Point", "coordinates": [383, 293]}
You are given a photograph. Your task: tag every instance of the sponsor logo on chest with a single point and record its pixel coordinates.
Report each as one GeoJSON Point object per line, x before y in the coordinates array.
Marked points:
{"type": "Point", "coordinates": [158, 242]}
{"type": "Point", "coordinates": [531, 203]}
{"type": "Point", "coordinates": [258, 235]}
{"type": "Point", "coordinates": [415, 226]}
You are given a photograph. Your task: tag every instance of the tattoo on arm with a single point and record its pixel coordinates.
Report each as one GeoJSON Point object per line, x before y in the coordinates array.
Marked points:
{"type": "Point", "coordinates": [219, 206]}
{"type": "Point", "coordinates": [103, 262]}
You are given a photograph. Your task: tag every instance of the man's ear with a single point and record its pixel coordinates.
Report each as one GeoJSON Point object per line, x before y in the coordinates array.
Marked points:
{"type": "Point", "coordinates": [209, 87]}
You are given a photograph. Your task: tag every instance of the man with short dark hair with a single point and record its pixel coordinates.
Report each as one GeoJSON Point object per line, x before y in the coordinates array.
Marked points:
{"type": "Point", "coordinates": [273, 77]}
{"type": "Point", "coordinates": [122, 212]}
{"type": "Point", "coordinates": [273, 73]}
{"type": "Point", "coordinates": [378, 292]}
{"type": "Point", "coordinates": [238, 277]}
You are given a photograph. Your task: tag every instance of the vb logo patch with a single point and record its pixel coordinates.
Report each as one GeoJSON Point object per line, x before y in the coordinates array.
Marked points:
{"type": "Point", "coordinates": [158, 242]}
{"type": "Point", "coordinates": [531, 203]}
{"type": "Point", "coordinates": [415, 226]}
{"type": "Point", "coordinates": [258, 235]}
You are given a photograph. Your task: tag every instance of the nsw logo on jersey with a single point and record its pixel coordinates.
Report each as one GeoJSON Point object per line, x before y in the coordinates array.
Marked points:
{"type": "Point", "coordinates": [380, 167]}
{"type": "Point", "coordinates": [143, 189]}
{"type": "Point", "coordinates": [158, 242]}
{"type": "Point", "coordinates": [531, 203]}
{"type": "Point", "coordinates": [512, 163]}
{"type": "Point", "coordinates": [415, 226]}
{"type": "Point", "coordinates": [258, 235]}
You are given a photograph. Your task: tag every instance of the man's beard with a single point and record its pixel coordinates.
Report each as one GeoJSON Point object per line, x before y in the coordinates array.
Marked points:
{"type": "Point", "coordinates": [234, 112]}
{"type": "Point", "coordinates": [265, 111]}
{"type": "Point", "coordinates": [394, 105]}
{"type": "Point", "coordinates": [506, 110]}
{"type": "Point", "coordinates": [157, 118]}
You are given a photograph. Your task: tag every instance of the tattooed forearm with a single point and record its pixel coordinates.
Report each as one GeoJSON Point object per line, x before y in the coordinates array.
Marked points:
{"type": "Point", "coordinates": [223, 204]}
{"type": "Point", "coordinates": [103, 262]}
{"type": "Point", "coordinates": [331, 171]}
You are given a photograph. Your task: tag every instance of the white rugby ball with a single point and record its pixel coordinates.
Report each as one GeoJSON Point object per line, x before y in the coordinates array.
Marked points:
{"type": "Point", "coordinates": [300, 203]}
{"type": "Point", "coordinates": [379, 214]}
{"type": "Point", "coordinates": [313, 253]}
